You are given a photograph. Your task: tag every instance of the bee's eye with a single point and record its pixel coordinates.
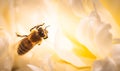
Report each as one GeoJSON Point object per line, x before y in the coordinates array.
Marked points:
{"type": "Point", "coordinates": [41, 32]}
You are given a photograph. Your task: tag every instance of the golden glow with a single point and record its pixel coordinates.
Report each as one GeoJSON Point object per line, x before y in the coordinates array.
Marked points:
{"type": "Point", "coordinates": [114, 8]}
{"type": "Point", "coordinates": [63, 21]}
{"type": "Point", "coordinates": [63, 64]}
{"type": "Point", "coordinates": [82, 51]}
{"type": "Point", "coordinates": [62, 48]}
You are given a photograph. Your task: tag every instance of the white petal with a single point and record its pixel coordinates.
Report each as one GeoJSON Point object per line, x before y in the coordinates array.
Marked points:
{"type": "Point", "coordinates": [34, 68]}
{"type": "Point", "coordinates": [95, 35]}
{"type": "Point", "coordinates": [104, 65]}
{"type": "Point", "coordinates": [6, 57]}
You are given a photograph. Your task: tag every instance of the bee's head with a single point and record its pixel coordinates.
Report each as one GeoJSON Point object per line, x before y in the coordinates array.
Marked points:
{"type": "Point", "coordinates": [43, 32]}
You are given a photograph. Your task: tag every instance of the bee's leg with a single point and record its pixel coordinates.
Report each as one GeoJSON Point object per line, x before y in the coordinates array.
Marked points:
{"type": "Point", "coordinates": [21, 35]}
{"type": "Point", "coordinates": [32, 28]}
{"type": "Point", "coordinates": [39, 43]}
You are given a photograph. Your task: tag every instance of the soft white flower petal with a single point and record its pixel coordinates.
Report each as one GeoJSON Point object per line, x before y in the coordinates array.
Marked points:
{"type": "Point", "coordinates": [63, 48]}
{"type": "Point", "coordinates": [116, 41]}
{"type": "Point", "coordinates": [104, 65]}
{"type": "Point", "coordinates": [6, 57]}
{"type": "Point", "coordinates": [34, 68]}
{"type": "Point", "coordinates": [81, 8]}
{"type": "Point", "coordinates": [109, 64]}
{"type": "Point", "coordinates": [115, 54]}
{"type": "Point", "coordinates": [95, 34]}
{"type": "Point", "coordinates": [103, 40]}
{"type": "Point", "coordinates": [24, 68]}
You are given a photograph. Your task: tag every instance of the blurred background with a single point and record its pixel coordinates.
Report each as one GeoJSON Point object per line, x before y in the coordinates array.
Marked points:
{"type": "Point", "coordinates": [80, 33]}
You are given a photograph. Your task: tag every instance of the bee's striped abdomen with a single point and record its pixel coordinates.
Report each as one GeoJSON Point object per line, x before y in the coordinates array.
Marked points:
{"type": "Point", "coordinates": [24, 46]}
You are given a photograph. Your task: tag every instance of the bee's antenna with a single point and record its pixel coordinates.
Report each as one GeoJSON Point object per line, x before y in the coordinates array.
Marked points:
{"type": "Point", "coordinates": [42, 24]}
{"type": "Point", "coordinates": [37, 27]}
{"type": "Point", "coordinates": [47, 26]}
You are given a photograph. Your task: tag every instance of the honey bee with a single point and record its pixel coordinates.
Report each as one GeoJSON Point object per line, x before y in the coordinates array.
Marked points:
{"type": "Point", "coordinates": [38, 33]}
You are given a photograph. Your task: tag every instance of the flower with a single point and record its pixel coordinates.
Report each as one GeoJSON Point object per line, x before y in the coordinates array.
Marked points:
{"type": "Point", "coordinates": [82, 36]}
